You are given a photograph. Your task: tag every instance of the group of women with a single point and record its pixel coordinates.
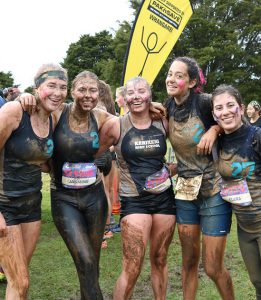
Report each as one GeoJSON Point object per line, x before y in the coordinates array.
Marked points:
{"type": "Point", "coordinates": [75, 134]}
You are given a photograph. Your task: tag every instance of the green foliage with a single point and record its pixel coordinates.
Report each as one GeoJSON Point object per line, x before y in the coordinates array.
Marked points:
{"type": "Point", "coordinates": [135, 5]}
{"type": "Point", "coordinates": [112, 70]}
{"type": "Point", "coordinates": [6, 79]}
{"type": "Point", "coordinates": [223, 36]}
{"type": "Point", "coordinates": [88, 53]}
{"type": "Point", "coordinates": [29, 89]}
{"type": "Point", "coordinates": [53, 274]}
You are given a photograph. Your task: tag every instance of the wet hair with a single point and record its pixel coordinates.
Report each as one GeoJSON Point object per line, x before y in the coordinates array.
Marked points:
{"type": "Point", "coordinates": [105, 97]}
{"type": "Point", "coordinates": [47, 70]}
{"type": "Point", "coordinates": [84, 75]}
{"type": "Point", "coordinates": [135, 80]}
{"type": "Point", "coordinates": [229, 89]}
{"type": "Point", "coordinates": [194, 72]}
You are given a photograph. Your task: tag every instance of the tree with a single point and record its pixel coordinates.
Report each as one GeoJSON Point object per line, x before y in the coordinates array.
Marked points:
{"type": "Point", "coordinates": [112, 70]}
{"type": "Point", "coordinates": [87, 53]}
{"type": "Point", "coordinates": [224, 37]}
{"type": "Point", "coordinates": [29, 89]}
{"type": "Point", "coordinates": [6, 79]}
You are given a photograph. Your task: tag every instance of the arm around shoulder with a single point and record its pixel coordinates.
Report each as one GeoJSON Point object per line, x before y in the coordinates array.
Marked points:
{"type": "Point", "coordinates": [109, 134]}
{"type": "Point", "coordinates": [101, 116]}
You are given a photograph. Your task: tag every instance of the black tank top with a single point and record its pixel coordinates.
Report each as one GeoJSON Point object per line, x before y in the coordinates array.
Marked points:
{"type": "Point", "coordinates": [240, 157]}
{"type": "Point", "coordinates": [24, 151]}
{"type": "Point", "coordinates": [140, 153]}
{"type": "Point", "coordinates": [73, 147]}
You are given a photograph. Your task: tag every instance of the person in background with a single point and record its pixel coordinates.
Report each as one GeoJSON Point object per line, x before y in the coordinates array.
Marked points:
{"type": "Point", "coordinates": [253, 113]}
{"type": "Point", "coordinates": [26, 143]}
{"type": "Point", "coordinates": [120, 100]}
{"type": "Point", "coordinates": [147, 199]}
{"type": "Point", "coordinates": [200, 208]}
{"type": "Point", "coordinates": [106, 103]}
{"type": "Point", "coordinates": [123, 110]}
{"type": "Point", "coordinates": [239, 163]}
{"type": "Point", "coordinates": [11, 93]}
{"type": "Point", "coordinates": [2, 99]}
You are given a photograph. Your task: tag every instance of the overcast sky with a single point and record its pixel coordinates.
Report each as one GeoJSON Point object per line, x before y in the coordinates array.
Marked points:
{"type": "Point", "coordinates": [34, 32]}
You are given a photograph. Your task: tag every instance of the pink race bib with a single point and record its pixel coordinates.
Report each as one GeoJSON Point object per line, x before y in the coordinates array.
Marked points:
{"type": "Point", "coordinates": [236, 192]}
{"type": "Point", "coordinates": [78, 175]}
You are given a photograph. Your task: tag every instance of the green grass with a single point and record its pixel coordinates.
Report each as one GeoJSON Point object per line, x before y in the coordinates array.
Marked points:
{"type": "Point", "coordinates": [53, 275]}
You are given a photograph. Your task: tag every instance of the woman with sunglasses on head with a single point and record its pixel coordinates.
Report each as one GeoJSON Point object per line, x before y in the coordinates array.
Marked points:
{"type": "Point", "coordinates": [239, 163]}
{"type": "Point", "coordinates": [26, 144]}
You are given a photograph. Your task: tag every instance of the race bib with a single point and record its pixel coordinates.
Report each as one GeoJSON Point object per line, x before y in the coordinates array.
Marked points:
{"type": "Point", "coordinates": [78, 175]}
{"type": "Point", "coordinates": [158, 182]}
{"type": "Point", "coordinates": [236, 192]}
{"type": "Point", "coordinates": [188, 188]}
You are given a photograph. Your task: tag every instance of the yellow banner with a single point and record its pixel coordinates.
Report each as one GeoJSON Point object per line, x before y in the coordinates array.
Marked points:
{"type": "Point", "coordinates": [157, 28]}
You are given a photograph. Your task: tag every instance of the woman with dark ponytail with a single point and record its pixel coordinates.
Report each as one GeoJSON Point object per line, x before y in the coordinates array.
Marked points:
{"type": "Point", "coordinates": [200, 208]}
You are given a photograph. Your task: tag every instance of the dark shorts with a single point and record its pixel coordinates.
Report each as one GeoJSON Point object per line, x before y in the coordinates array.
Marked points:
{"type": "Point", "coordinates": [24, 209]}
{"type": "Point", "coordinates": [213, 214]}
{"type": "Point", "coordinates": [163, 203]}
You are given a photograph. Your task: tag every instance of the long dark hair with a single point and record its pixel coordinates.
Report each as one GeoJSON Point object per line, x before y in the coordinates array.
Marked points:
{"type": "Point", "coordinates": [194, 72]}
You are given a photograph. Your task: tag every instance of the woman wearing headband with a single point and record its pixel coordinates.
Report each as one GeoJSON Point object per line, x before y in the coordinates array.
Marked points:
{"type": "Point", "coordinates": [79, 203]}
{"type": "Point", "coordinates": [26, 143]}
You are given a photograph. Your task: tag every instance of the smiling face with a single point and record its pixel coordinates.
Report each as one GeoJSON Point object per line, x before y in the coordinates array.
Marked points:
{"type": "Point", "coordinates": [52, 93]}
{"type": "Point", "coordinates": [178, 82]}
{"type": "Point", "coordinates": [85, 94]}
{"type": "Point", "coordinates": [227, 112]}
{"type": "Point", "coordinates": [138, 95]}
{"type": "Point", "coordinates": [252, 112]}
